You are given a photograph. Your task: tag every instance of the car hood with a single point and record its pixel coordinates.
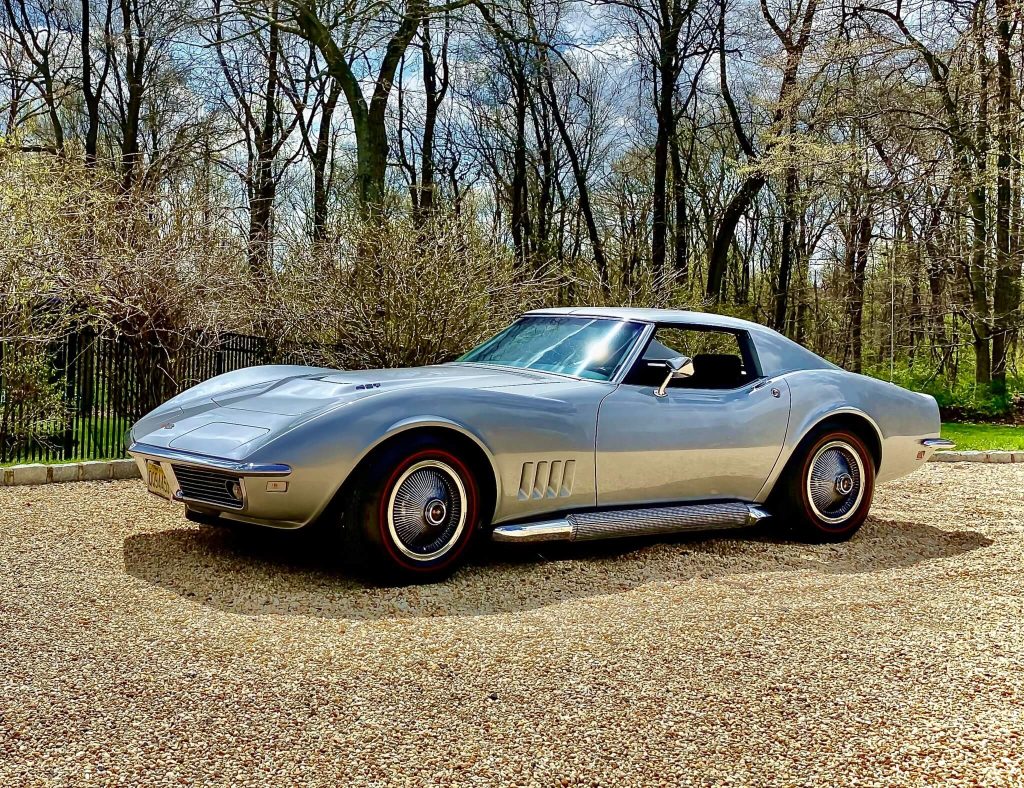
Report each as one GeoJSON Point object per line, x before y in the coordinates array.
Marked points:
{"type": "Point", "coordinates": [307, 393]}
{"type": "Point", "coordinates": [231, 421]}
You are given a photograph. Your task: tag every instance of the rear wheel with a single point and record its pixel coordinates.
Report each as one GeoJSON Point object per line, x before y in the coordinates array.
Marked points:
{"type": "Point", "coordinates": [413, 513]}
{"type": "Point", "coordinates": [827, 491]}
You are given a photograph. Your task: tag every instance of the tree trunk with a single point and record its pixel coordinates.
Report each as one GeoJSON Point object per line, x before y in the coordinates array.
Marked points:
{"type": "Point", "coordinates": [91, 96]}
{"type": "Point", "coordinates": [432, 100]}
{"type": "Point", "coordinates": [1006, 295]}
{"type": "Point", "coordinates": [371, 163]}
{"type": "Point", "coordinates": [858, 241]}
{"type": "Point", "coordinates": [264, 184]}
{"type": "Point", "coordinates": [51, 104]}
{"type": "Point", "coordinates": [321, 153]}
{"type": "Point", "coordinates": [541, 249]}
{"type": "Point", "coordinates": [664, 115]}
{"type": "Point", "coordinates": [734, 211]}
{"type": "Point", "coordinates": [780, 292]}
{"type": "Point", "coordinates": [580, 176]}
{"type": "Point", "coordinates": [519, 208]}
{"type": "Point", "coordinates": [936, 269]}
{"type": "Point", "coordinates": [978, 289]}
{"type": "Point", "coordinates": [135, 54]}
{"type": "Point", "coordinates": [681, 252]}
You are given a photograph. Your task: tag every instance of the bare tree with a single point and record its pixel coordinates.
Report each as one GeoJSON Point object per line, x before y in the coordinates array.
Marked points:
{"type": "Point", "coordinates": [40, 32]}
{"type": "Point", "coordinates": [250, 59]}
{"type": "Point", "coordinates": [794, 37]}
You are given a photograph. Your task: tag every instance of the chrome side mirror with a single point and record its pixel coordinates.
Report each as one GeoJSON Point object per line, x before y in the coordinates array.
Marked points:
{"type": "Point", "coordinates": [678, 368]}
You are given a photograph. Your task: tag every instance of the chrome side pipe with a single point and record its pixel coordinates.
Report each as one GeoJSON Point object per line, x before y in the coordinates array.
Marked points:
{"type": "Point", "coordinates": [653, 521]}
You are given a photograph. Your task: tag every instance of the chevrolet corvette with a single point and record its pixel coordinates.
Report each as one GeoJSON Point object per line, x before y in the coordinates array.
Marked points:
{"type": "Point", "coordinates": [571, 424]}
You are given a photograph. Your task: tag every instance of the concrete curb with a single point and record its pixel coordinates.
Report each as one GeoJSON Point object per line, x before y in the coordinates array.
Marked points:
{"type": "Point", "coordinates": [96, 470]}
{"type": "Point", "coordinates": [978, 456]}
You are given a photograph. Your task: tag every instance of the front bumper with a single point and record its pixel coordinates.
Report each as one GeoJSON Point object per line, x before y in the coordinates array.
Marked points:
{"type": "Point", "coordinates": [248, 492]}
{"type": "Point", "coordinates": [201, 461]}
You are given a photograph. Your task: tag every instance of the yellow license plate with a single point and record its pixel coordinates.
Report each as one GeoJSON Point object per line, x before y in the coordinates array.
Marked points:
{"type": "Point", "coordinates": [156, 480]}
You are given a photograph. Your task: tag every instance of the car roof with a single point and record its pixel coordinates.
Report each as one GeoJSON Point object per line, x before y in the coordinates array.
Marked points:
{"type": "Point", "coordinates": [776, 353]}
{"type": "Point", "coordinates": [681, 316]}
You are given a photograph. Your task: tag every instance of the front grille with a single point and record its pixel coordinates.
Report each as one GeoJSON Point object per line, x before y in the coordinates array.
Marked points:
{"type": "Point", "coordinates": [201, 484]}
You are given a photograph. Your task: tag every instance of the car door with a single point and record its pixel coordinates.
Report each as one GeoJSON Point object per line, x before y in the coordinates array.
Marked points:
{"type": "Point", "coordinates": [716, 436]}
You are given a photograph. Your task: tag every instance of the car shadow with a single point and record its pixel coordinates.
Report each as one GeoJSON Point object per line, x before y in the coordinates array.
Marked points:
{"type": "Point", "coordinates": [283, 573]}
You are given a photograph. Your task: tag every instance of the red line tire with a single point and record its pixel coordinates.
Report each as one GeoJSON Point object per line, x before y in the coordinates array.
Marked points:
{"type": "Point", "coordinates": [826, 492]}
{"type": "Point", "coordinates": [412, 513]}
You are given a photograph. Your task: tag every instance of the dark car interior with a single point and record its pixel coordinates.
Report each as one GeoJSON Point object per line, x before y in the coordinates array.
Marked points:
{"type": "Point", "coordinates": [718, 359]}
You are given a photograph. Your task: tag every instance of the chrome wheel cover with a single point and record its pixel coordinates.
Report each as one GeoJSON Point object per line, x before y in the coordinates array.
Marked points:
{"type": "Point", "coordinates": [835, 482]}
{"type": "Point", "coordinates": [427, 510]}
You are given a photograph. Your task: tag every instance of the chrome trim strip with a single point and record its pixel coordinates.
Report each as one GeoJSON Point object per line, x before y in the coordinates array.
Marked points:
{"type": "Point", "coordinates": [756, 514]}
{"type": "Point", "coordinates": [937, 443]}
{"type": "Point", "coordinates": [201, 460]}
{"type": "Point", "coordinates": [547, 531]}
{"type": "Point", "coordinates": [634, 353]}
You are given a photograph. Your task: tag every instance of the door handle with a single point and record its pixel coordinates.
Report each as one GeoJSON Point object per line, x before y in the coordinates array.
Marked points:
{"type": "Point", "coordinates": [760, 384]}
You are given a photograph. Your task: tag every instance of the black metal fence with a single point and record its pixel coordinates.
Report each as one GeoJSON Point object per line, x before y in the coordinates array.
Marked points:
{"type": "Point", "coordinates": [76, 399]}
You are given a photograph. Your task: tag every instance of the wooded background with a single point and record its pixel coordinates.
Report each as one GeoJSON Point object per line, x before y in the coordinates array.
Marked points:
{"type": "Point", "coordinates": [401, 178]}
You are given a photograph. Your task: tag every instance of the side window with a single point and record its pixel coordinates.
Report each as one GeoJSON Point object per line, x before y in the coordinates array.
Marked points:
{"type": "Point", "coordinates": [720, 360]}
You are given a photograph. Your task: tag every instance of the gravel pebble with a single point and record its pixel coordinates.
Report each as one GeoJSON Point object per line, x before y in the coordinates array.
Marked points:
{"type": "Point", "coordinates": [136, 648]}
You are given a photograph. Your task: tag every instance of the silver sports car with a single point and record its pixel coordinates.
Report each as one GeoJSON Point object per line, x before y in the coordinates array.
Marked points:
{"type": "Point", "coordinates": [571, 424]}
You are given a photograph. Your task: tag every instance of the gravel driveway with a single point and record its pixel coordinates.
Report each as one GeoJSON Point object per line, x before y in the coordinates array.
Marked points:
{"type": "Point", "coordinates": [138, 649]}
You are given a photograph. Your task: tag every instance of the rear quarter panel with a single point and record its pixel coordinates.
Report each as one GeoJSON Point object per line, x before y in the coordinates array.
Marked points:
{"type": "Point", "coordinates": [900, 418]}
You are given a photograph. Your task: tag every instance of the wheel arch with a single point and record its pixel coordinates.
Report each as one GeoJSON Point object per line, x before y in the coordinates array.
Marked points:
{"type": "Point", "coordinates": [469, 446]}
{"type": "Point", "coordinates": [857, 422]}
{"type": "Point", "coordinates": [853, 419]}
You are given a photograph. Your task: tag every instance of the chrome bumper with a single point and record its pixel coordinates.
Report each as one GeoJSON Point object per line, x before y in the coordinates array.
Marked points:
{"type": "Point", "coordinates": [188, 458]}
{"type": "Point", "coordinates": [937, 443]}
{"type": "Point", "coordinates": [211, 483]}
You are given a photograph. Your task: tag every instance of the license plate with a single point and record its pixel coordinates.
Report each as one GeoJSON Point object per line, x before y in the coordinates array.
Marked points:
{"type": "Point", "coordinates": [156, 480]}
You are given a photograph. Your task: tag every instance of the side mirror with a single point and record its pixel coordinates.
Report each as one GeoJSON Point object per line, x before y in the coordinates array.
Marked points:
{"type": "Point", "coordinates": [678, 368]}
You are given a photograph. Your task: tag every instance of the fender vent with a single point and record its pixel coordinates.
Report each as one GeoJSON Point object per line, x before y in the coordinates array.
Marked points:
{"type": "Point", "coordinates": [546, 479]}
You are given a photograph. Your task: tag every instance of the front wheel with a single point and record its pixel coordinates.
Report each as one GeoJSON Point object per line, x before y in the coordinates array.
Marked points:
{"type": "Point", "coordinates": [413, 513]}
{"type": "Point", "coordinates": [827, 492]}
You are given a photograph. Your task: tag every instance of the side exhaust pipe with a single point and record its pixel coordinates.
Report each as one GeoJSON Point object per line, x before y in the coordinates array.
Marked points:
{"type": "Point", "coordinates": [589, 526]}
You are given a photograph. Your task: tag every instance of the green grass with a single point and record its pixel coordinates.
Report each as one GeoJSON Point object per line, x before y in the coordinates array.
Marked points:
{"type": "Point", "coordinates": [93, 434]}
{"type": "Point", "coordinates": [984, 437]}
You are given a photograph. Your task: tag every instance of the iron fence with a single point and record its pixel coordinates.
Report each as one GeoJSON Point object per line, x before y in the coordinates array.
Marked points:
{"type": "Point", "coordinates": [76, 399]}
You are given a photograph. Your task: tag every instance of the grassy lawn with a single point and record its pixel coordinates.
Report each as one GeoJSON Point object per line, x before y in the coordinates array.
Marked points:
{"type": "Point", "coordinates": [984, 437]}
{"type": "Point", "coordinates": [96, 438]}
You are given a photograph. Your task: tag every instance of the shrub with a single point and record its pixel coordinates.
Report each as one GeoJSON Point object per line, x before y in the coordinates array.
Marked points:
{"type": "Point", "coordinates": [398, 294]}
{"type": "Point", "coordinates": [960, 399]}
{"type": "Point", "coordinates": [146, 267]}
{"type": "Point", "coordinates": [32, 408]}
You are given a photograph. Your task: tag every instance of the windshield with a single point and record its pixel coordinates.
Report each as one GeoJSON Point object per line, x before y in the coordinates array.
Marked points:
{"type": "Point", "coordinates": [584, 347]}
